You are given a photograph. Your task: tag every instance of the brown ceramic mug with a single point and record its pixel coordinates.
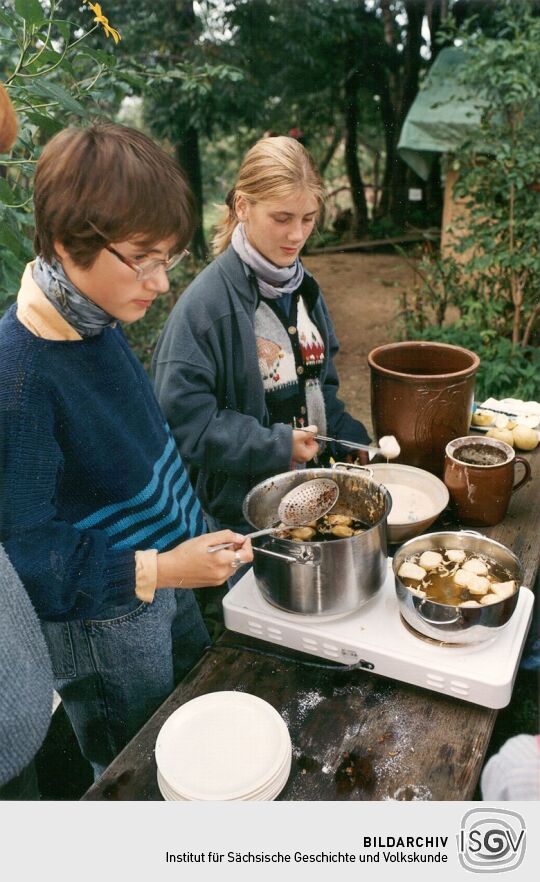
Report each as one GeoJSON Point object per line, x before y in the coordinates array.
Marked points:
{"type": "Point", "coordinates": [480, 473]}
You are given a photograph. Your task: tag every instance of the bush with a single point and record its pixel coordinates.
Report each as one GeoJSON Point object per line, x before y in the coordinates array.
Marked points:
{"type": "Point", "coordinates": [53, 78]}
{"type": "Point", "coordinates": [494, 279]}
{"type": "Point", "coordinates": [504, 372]}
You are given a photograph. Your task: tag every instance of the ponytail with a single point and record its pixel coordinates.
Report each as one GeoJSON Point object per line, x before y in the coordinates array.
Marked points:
{"type": "Point", "coordinates": [225, 227]}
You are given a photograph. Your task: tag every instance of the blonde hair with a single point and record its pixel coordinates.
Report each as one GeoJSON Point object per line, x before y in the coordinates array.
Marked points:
{"type": "Point", "coordinates": [272, 169]}
{"type": "Point", "coordinates": [8, 122]}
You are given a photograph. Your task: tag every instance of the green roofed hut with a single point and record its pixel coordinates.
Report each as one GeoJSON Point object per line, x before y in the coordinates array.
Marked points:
{"type": "Point", "coordinates": [443, 115]}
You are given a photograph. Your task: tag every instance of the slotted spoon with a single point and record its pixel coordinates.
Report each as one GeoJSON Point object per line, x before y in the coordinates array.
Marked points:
{"type": "Point", "coordinates": [301, 505]}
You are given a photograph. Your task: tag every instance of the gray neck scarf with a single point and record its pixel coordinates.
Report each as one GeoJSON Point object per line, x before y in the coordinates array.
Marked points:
{"type": "Point", "coordinates": [274, 281]}
{"type": "Point", "coordinates": [82, 313]}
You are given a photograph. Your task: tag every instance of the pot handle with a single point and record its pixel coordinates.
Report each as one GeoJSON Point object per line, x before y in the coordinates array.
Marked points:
{"type": "Point", "coordinates": [288, 557]}
{"type": "Point", "coordinates": [309, 558]}
{"type": "Point", "coordinates": [349, 466]}
{"type": "Point", "coordinates": [429, 621]}
{"type": "Point", "coordinates": [473, 533]}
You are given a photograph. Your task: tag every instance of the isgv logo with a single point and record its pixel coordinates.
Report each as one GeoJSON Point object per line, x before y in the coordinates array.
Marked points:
{"type": "Point", "coordinates": [491, 840]}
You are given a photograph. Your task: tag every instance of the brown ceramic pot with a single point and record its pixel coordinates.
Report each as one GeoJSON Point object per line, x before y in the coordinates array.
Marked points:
{"type": "Point", "coordinates": [480, 491]}
{"type": "Point", "coordinates": [422, 393]}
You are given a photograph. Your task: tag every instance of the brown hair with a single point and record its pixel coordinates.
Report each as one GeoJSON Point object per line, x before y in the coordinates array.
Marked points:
{"type": "Point", "coordinates": [115, 178]}
{"type": "Point", "coordinates": [8, 122]}
{"type": "Point", "coordinates": [272, 169]}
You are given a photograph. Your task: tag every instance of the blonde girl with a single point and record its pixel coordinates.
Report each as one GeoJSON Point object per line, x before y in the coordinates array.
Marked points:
{"type": "Point", "coordinates": [246, 358]}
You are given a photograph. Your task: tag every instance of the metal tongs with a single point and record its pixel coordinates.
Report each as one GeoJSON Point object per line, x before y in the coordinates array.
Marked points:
{"type": "Point", "coordinates": [352, 444]}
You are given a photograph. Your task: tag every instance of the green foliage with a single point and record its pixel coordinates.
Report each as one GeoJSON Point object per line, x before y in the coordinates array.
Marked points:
{"type": "Point", "coordinates": [498, 173]}
{"type": "Point", "coordinates": [297, 57]}
{"type": "Point", "coordinates": [494, 279]}
{"type": "Point", "coordinates": [53, 79]}
{"type": "Point", "coordinates": [504, 372]}
{"type": "Point", "coordinates": [143, 335]}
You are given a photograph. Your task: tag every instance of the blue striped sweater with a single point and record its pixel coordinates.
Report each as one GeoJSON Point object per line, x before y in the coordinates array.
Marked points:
{"type": "Point", "coordinates": [89, 472]}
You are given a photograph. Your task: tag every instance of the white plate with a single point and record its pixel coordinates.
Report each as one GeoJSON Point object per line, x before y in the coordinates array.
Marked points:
{"type": "Point", "coordinates": [166, 792]}
{"type": "Point", "coordinates": [222, 746]}
{"type": "Point", "coordinates": [268, 793]}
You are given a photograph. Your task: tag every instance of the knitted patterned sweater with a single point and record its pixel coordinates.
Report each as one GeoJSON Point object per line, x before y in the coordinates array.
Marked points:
{"type": "Point", "coordinates": [89, 471]}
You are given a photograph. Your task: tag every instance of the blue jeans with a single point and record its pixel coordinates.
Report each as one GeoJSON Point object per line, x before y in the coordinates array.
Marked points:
{"type": "Point", "coordinates": [23, 787]}
{"type": "Point", "coordinates": [114, 671]}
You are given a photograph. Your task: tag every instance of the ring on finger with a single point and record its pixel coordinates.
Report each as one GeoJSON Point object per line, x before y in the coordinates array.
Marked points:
{"type": "Point", "coordinates": [236, 561]}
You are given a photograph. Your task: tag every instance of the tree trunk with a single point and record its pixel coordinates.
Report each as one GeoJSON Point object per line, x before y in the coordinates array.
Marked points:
{"type": "Point", "coordinates": [436, 12]}
{"type": "Point", "coordinates": [187, 148]}
{"type": "Point", "coordinates": [376, 181]}
{"type": "Point", "coordinates": [388, 116]}
{"type": "Point", "coordinates": [394, 201]}
{"type": "Point", "coordinates": [189, 157]}
{"type": "Point", "coordinates": [352, 166]}
{"type": "Point", "coordinates": [332, 147]}
{"type": "Point", "coordinates": [434, 192]}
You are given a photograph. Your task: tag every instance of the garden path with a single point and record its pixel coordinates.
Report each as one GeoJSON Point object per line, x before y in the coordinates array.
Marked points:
{"type": "Point", "coordinates": [363, 296]}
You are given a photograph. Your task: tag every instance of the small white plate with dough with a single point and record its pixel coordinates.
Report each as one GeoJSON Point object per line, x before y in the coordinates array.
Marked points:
{"type": "Point", "coordinates": [523, 413]}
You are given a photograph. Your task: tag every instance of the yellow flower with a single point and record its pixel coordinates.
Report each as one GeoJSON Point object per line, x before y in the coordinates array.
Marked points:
{"type": "Point", "coordinates": [103, 21]}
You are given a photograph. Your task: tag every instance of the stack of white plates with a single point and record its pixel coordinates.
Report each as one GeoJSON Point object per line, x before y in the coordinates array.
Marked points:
{"type": "Point", "coordinates": [223, 746]}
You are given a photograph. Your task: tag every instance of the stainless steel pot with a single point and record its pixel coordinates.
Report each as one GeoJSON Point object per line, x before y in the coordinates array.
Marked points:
{"type": "Point", "coordinates": [454, 624]}
{"type": "Point", "coordinates": [326, 578]}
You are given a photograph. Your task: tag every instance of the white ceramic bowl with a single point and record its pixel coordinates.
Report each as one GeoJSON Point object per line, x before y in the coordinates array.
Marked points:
{"type": "Point", "coordinates": [418, 498]}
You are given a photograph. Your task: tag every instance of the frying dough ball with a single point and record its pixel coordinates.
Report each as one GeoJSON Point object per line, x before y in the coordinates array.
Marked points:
{"type": "Point", "coordinates": [503, 589]}
{"type": "Point", "coordinates": [462, 578]}
{"type": "Point", "coordinates": [478, 584]}
{"type": "Point", "coordinates": [410, 570]}
{"type": "Point", "coordinates": [302, 534]}
{"type": "Point", "coordinates": [430, 560]}
{"type": "Point", "coordinates": [489, 598]}
{"type": "Point", "coordinates": [456, 555]}
{"type": "Point", "coordinates": [334, 519]}
{"type": "Point", "coordinates": [469, 603]}
{"type": "Point", "coordinates": [390, 448]}
{"type": "Point", "coordinates": [476, 566]}
{"type": "Point", "coordinates": [342, 531]}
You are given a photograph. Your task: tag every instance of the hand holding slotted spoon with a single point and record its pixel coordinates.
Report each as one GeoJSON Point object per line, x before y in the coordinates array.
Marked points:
{"type": "Point", "coordinates": [301, 505]}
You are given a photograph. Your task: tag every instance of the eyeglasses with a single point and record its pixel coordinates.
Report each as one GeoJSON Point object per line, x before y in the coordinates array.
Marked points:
{"type": "Point", "coordinates": [149, 267]}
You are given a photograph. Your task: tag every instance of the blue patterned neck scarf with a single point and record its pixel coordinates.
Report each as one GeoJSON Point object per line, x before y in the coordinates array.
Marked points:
{"type": "Point", "coordinates": [78, 310]}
